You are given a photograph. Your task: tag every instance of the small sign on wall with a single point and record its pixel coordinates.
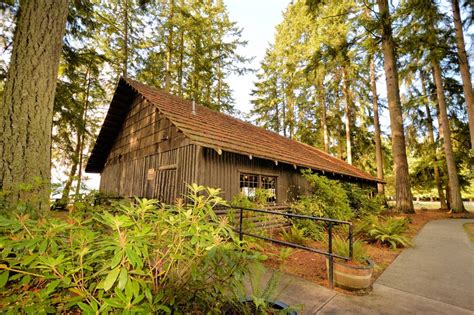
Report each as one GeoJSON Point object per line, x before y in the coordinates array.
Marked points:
{"type": "Point", "coordinates": [151, 174]}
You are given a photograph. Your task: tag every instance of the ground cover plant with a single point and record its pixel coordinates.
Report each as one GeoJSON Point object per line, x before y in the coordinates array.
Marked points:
{"type": "Point", "coordinates": [377, 234]}
{"type": "Point", "coordinates": [391, 232]}
{"type": "Point", "coordinates": [128, 258]}
{"type": "Point", "coordinates": [359, 249]}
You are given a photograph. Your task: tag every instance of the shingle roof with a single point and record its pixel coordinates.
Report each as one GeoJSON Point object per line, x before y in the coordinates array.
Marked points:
{"type": "Point", "coordinates": [216, 130]}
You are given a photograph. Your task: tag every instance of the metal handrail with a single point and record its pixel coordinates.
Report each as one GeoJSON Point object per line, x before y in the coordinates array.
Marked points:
{"type": "Point", "coordinates": [330, 224]}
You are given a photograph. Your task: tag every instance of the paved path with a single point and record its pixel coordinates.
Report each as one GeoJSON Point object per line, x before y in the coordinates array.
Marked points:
{"type": "Point", "coordinates": [440, 267]}
{"type": "Point", "coordinates": [434, 277]}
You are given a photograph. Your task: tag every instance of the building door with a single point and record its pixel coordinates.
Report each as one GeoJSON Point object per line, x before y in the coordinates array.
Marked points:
{"type": "Point", "coordinates": [166, 185]}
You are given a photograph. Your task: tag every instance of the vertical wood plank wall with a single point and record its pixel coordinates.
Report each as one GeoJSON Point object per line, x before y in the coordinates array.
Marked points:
{"type": "Point", "coordinates": [150, 157]}
{"type": "Point", "coordinates": [223, 171]}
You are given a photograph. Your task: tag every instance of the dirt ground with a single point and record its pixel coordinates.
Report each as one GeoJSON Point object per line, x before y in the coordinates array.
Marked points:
{"type": "Point", "coordinates": [312, 266]}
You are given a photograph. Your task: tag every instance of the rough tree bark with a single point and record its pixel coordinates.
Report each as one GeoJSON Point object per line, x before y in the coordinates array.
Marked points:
{"type": "Point", "coordinates": [77, 160]}
{"type": "Point", "coordinates": [81, 135]}
{"type": "Point", "coordinates": [431, 142]}
{"type": "Point", "coordinates": [464, 67]}
{"type": "Point", "coordinates": [125, 39]}
{"type": "Point", "coordinates": [27, 110]}
{"type": "Point", "coordinates": [347, 115]}
{"type": "Point", "coordinates": [377, 137]}
{"type": "Point", "coordinates": [455, 200]}
{"type": "Point", "coordinates": [339, 130]}
{"type": "Point", "coordinates": [169, 47]}
{"type": "Point", "coordinates": [72, 174]}
{"type": "Point", "coordinates": [324, 125]}
{"type": "Point", "coordinates": [403, 195]}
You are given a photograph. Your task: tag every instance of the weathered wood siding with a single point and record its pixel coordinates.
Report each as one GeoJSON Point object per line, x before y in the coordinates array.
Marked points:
{"type": "Point", "coordinates": [150, 157]}
{"type": "Point", "coordinates": [223, 171]}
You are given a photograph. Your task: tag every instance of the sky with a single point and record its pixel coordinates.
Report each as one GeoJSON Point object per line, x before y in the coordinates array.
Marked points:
{"type": "Point", "coordinates": [258, 19]}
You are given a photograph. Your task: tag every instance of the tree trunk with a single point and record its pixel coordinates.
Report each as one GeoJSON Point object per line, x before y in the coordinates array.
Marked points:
{"type": "Point", "coordinates": [378, 140]}
{"type": "Point", "coordinates": [339, 131]}
{"type": "Point", "coordinates": [81, 134]}
{"type": "Point", "coordinates": [431, 142]}
{"type": "Point", "coordinates": [454, 187]}
{"type": "Point", "coordinates": [72, 174]}
{"type": "Point", "coordinates": [277, 113]}
{"type": "Point", "coordinates": [181, 58]}
{"type": "Point", "coordinates": [125, 40]}
{"type": "Point", "coordinates": [347, 115]}
{"type": "Point", "coordinates": [283, 108]}
{"type": "Point", "coordinates": [27, 110]}
{"type": "Point", "coordinates": [404, 198]}
{"type": "Point", "coordinates": [169, 47]}
{"type": "Point", "coordinates": [324, 126]}
{"type": "Point", "coordinates": [464, 67]}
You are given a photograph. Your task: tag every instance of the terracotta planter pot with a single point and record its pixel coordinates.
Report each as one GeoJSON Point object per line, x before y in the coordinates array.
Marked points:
{"type": "Point", "coordinates": [352, 277]}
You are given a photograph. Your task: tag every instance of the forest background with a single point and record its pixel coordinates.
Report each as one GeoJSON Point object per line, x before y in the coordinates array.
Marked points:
{"type": "Point", "coordinates": [321, 80]}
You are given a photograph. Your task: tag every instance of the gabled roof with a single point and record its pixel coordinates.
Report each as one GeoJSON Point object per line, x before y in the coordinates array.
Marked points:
{"type": "Point", "coordinates": [212, 129]}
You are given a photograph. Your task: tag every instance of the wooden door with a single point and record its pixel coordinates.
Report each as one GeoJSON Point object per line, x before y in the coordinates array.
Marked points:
{"type": "Point", "coordinates": [166, 185]}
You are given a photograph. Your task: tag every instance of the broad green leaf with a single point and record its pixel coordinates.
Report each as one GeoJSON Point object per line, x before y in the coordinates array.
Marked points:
{"type": "Point", "coordinates": [148, 295]}
{"type": "Point", "coordinates": [121, 296]}
{"type": "Point", "coordinates": [85, 308]}
{"type": "Point", "coordinates": [133, 258]}
{"type": "Point", "coordinates": [26, 279]}
{"type": "Point", "coordinates": [163, 308]}
{"type": "Point", "coordinates": [114, 303]}
{"type": "Point", "coordinates": [43, 245]}
{"type": "Point", "coordinates": [136, 288]}
{"type": "Point", "coordinates": [3, 278]}
{"type": "Point", "coordinates": [52, 286]}
{"type": "Point", "coordinates": [123, 277]}
{"type": "Point", "coordinates": [110, 279]}
{"type": "Point", "coordinates": [116, 259]}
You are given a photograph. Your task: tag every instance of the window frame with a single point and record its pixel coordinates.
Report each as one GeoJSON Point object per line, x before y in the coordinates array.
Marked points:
{"type": "Point", "coordinates": [259, 182]}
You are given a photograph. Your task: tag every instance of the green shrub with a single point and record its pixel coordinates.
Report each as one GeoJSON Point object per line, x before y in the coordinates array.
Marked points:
{"type": "Point", "coordinates": [361, 202]}
{"type": "Point", "coordinates": [327, 199]}
{"type": "Point", "coordinates": [294, 235]}
{"type": "Point", "coordinates": [139, 258]}
{"type": "Point", "coordinates": [341, 247]}
{"type": "Point", "coordinates": [390, 232]}
{"type": "Point", "coordinates": [258, 201]}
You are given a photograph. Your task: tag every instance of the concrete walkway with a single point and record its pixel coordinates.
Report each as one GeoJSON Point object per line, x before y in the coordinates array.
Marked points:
{"type": "Point", "coordinates": [434, 277]}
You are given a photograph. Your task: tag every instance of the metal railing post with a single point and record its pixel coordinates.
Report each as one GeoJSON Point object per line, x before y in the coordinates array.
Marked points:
{"type": "Point", "coordinates": [330, 258]}
{"type": "Point", "coordinates": [350, 241]}
{"type": "Point", "coordinates": [241, 235]}
{"type": "Point", "coordinates": [330, 223]}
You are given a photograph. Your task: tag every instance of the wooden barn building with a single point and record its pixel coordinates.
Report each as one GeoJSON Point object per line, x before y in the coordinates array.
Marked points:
{"type": "Point", "coordinates": [152, 143]}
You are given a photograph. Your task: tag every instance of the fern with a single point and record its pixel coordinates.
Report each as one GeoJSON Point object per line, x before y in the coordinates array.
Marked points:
{"type": "Point", "coordinates": [295, 235]}
{"type": "Point", "coordinates": [391, 233]}
{"type": "Point", "coordinates": [341, 248]}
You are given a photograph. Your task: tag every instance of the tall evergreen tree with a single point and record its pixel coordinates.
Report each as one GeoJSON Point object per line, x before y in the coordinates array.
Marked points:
{"type": "Point", "coordinates": [403, 195]}
{"type": "Point", "coordinates": [465, 71]}
{"type": "Point", "coordinates": [27, 110]}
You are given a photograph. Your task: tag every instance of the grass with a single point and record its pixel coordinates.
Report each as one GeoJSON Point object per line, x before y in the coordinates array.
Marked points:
{"type": "Point", "coordinates": [469, 227]}
{"type": "Point", "coordinates": [435, 205]}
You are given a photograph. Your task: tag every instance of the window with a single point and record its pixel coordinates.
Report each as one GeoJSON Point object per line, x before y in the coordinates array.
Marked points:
{"type": "Point", "coordinates": [249, 183]}
{"type": "Point", "coordinates": [269, 184]}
